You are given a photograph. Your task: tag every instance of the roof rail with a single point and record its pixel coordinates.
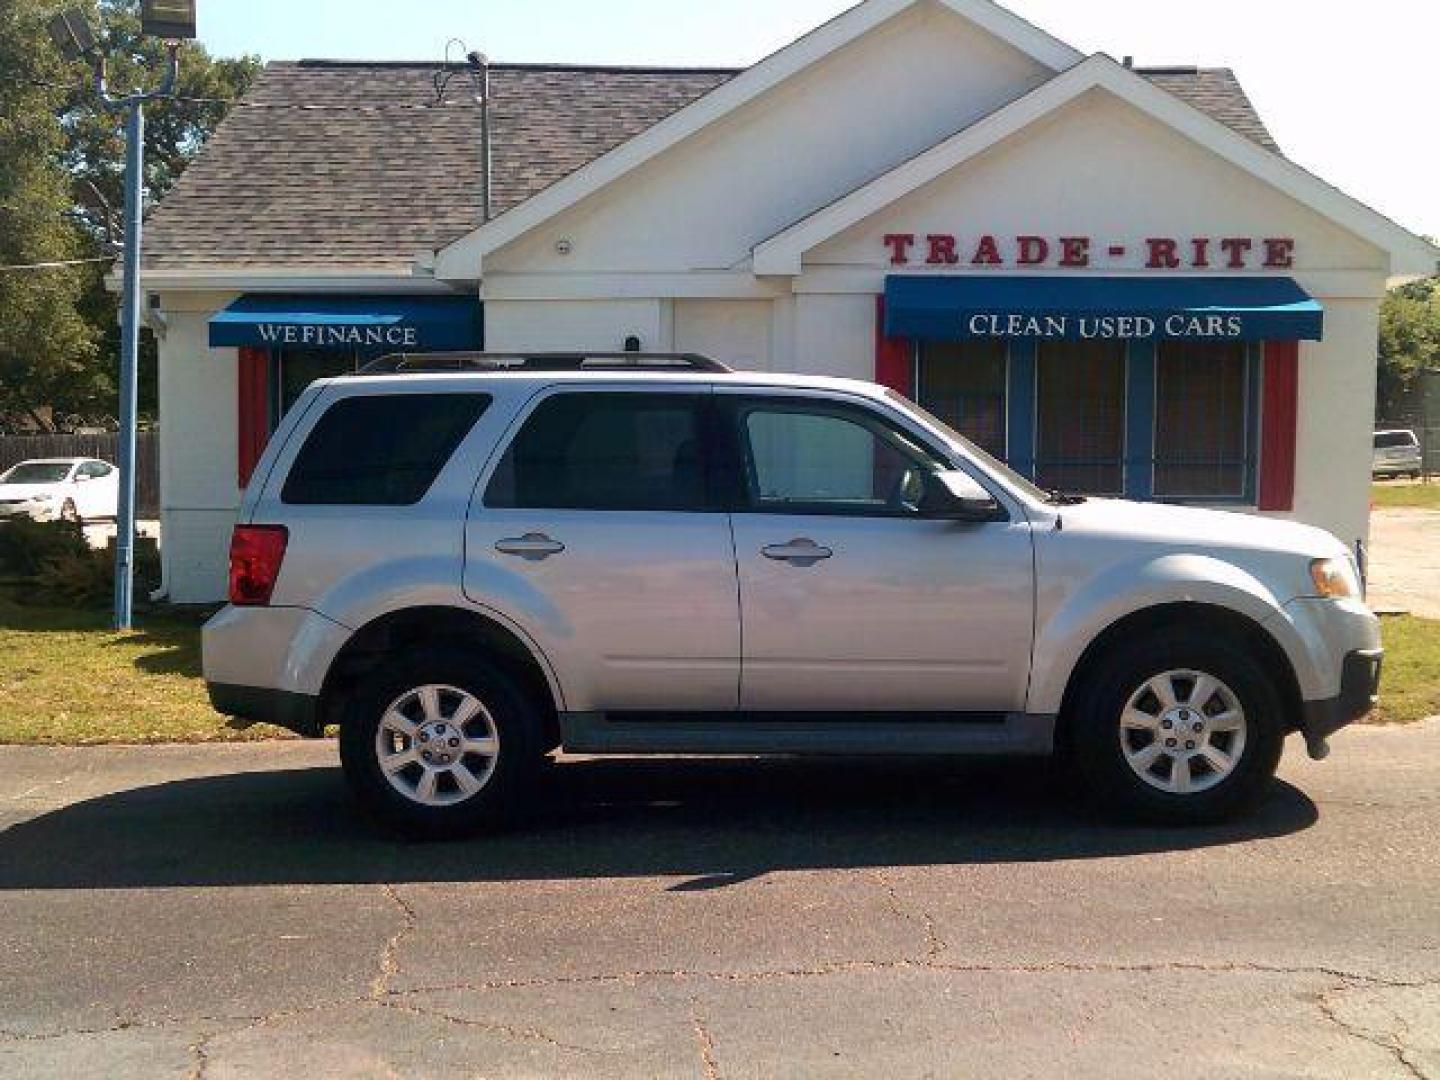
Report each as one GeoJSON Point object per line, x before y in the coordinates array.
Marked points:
{"type": "Point", "coordinates": [420, 363]}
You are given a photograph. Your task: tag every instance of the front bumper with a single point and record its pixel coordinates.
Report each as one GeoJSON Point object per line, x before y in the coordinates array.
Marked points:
{"type": "Point", "coordinates": [1359, 694]}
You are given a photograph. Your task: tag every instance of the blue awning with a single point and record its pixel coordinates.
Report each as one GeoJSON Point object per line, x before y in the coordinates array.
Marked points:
{"type": "Point", "coordinates": [369, 323]}
{"type": "Point", "coordinates": [935, 308]}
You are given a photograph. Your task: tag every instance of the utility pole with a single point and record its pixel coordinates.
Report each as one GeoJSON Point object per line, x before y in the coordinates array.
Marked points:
{"type": "Point", "coordinates": [174, 21]}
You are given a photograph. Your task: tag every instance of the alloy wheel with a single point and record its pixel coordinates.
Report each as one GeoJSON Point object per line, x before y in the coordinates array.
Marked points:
{"type": "Point", "coordinates": [437, 745]}
{"type": "Point", "coordinates": [1183, 732]}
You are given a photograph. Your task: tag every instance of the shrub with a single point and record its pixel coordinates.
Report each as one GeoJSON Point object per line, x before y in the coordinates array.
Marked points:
{"type": "Point", "coordinates": [86, 578]}
{"type": "Point", "coordinates": [26, 545]}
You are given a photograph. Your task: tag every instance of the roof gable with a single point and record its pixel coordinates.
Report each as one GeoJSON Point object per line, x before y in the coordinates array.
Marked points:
{"type": "Point", "coordinates": [783, 253]}
{"type": "Point", "coordinates": [462, 259]}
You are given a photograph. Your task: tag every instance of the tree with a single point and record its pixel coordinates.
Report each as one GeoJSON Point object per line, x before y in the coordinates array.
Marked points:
{"type": "Point", "coordinates": [1409, 343]}
{"type": "Point", "coordinates": [94, 156]}
{"type": "Point", "coordinates": [44, 339]}
{"type": "Point", "coordinates": [62, 176]}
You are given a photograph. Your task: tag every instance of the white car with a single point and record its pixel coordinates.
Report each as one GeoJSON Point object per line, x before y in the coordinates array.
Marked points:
{"type": "Point", "coordinates": [60, 489]}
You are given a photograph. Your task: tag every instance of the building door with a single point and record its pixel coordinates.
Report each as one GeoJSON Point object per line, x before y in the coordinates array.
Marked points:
{"type": "Point", "coordinates": [850, 599]}
{"type": "Point", "coordinates": [1080, 417]}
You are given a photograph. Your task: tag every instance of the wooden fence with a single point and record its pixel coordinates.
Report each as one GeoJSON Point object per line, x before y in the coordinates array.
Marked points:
{"type": "Point", "coordinates": [18, 448]}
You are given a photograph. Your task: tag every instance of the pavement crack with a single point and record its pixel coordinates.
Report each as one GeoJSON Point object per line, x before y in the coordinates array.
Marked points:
{"type": "Point", "coordinates": [1390, 1042]}
{"type": "Point", "coordinates": [200, 1055]}
{"type": "Point", "coordinates": [390, 955]}
{"type": "Point", "coordinates": [934, 944]}
{"type": "Point", "coordinates": [705, 1041]}
{"type": "Point", "coordinates": [509, 1031]}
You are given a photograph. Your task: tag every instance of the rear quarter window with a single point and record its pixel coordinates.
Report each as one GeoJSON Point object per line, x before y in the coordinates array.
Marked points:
{"type": "Point", "coordinates": [1394, 440]}
{"type": "Point", "coordinates": [384, 450]}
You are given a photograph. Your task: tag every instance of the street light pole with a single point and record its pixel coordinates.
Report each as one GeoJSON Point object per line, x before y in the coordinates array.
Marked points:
{"type": "Point", "coordinates": [172, 21]}
{"type": "Point", "coordinates": [133, 106]}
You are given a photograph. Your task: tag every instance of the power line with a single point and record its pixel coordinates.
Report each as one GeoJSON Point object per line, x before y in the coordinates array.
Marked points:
{"type": "Point", "coordinates": [55, 265]}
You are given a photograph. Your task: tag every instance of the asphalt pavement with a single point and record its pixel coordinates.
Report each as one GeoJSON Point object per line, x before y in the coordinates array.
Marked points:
{"type": "Point", "coordinates": [220, 911]}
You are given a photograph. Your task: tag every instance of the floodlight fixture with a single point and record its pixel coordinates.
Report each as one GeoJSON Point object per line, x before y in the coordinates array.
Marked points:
{"type": "Point", "coordinates": [173, 20]}
{"type": "Point", "coordinates": [72, 34]}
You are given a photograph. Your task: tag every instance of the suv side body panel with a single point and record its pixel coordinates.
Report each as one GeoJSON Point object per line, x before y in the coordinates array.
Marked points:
{"type": "Point", "coordinates": [638, 608]}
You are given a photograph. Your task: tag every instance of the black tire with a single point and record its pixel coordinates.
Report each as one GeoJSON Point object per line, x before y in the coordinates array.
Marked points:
{"type": "Point", "coordinates": [504, 796]}
{"type": "Point", "coordinates": [1095, 728]}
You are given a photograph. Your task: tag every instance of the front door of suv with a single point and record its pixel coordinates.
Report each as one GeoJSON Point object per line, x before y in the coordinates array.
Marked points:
{"type": "Point", "coordinates": [599, 533]}
{"type": "Point", "coordinates": [851, 599]}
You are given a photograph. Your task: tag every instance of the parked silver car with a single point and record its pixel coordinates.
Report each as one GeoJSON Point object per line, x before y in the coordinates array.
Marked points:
{"type": "Point", "coordinates": [467, 569]}
{"type": "Point", "coordinates": [1397, 453]}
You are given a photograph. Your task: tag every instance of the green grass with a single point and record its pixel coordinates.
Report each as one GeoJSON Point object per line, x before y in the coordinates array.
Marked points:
{"type": "Point", "coordinates": [1410, 689]}
{"type": "Point", "coordinates": [67, 678]}
{"type": "Point", "coordinates": [1419, 496]}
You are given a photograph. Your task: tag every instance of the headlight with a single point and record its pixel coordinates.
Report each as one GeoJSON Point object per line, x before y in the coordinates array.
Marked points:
{"type": "Point", "coordinates": [1335, 578]}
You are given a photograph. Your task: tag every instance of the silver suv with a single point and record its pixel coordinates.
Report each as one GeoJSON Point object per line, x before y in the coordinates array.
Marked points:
{"type": "Point", "coordinates": [467, 563]}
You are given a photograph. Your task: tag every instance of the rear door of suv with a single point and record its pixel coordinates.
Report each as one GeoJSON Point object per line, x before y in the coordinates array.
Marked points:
{"type": "Point", "coordinates": [599, 530]}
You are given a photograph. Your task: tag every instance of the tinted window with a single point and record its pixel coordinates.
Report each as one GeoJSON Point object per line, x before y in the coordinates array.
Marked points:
{"type": "Point", "coordinates": [36, 473]}
{"type": "Point", "coordinates": [95, 469]}
{"type": "Point", "coordinates": [1080, 416]}
{"type": "Point", "coordinates": [1394, 440]}
{"type": "Point", "coordinates": [830, 459]}
{"type": "Point", "coordinates": [1201, 391]}
{"type": "Point", "coordinates": [381, 451]}
{"type": "Point", "coordinates": [610, 451]}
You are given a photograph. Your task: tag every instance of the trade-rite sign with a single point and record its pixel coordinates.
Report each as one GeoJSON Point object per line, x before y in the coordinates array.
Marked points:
{"type": "Point", "coordinates": [1078, 252]}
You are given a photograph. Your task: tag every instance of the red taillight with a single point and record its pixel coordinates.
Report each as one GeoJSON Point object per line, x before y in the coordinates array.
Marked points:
{"type": "Point", "coordinates": [256, 552]}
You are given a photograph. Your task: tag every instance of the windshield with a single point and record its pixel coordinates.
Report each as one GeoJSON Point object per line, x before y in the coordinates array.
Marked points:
{"type": "Point", "coordinates": [994, 464]}
{"type": "Point", "coordinates": [37, 472]}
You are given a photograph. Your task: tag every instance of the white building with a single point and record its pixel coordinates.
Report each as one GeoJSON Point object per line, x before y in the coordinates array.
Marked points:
{"type": "Point", "coordinates": [1110, 277]}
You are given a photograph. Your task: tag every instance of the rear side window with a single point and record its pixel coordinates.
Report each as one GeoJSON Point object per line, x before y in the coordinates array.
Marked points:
{"type": "Point", "coordinates": [1394, 440]}
{"type": "Point", "coordinates": [605, 451]}
{"type": "Point", "coordinates": [381, 451]}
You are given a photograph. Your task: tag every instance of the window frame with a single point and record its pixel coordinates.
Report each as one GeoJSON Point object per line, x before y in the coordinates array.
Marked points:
{"type": "Point", "coordinates": [733, 407]}
{"type": "Point", "coordinates": [716, 500]}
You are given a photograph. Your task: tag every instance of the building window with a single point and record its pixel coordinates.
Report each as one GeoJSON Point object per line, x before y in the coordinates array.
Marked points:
{"type": "Point", "coordinates": [963, 383]}
{"type": "Point", "coordinates": [1201, 420]}
{"type": "Point", "coordinates": [1080, 416]}
{"type": "Point", "coordinates": [293, 370]}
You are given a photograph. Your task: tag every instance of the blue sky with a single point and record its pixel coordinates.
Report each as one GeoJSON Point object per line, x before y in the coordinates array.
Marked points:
{"type": "Point", "coordinates": [1347, 91]}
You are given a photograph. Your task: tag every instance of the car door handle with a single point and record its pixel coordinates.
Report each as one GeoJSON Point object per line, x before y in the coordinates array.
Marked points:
{"type": "Point", "coordinates": [801, 552]}
{"type": "Point", "coordinates": [533, 547]}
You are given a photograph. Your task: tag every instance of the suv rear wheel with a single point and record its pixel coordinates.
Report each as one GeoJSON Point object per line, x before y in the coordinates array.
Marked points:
{"type": "Point", "coordinates": [1182, 729]}
{"type": "Point", "coordinates": [439, 743]}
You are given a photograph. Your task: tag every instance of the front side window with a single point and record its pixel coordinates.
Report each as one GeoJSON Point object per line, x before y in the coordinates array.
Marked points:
{"type": "Point", "coordinates": [1080, 416]}
{"type": "Point", "coordinates": [1200, 419]}
{"type": "Point", "coordinates": [608, 452]}
{"type": "Point", "coordinates": [829, 459]}
{"type": "Point", "coordinates": [385, 450]}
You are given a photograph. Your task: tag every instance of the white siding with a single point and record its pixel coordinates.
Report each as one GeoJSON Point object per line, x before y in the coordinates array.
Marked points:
{"type": "Point", "coordinates": [198, 451]}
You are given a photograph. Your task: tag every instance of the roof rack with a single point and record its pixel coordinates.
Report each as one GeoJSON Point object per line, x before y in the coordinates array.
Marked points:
{"type": "Point", "coordinates": [420, 363]}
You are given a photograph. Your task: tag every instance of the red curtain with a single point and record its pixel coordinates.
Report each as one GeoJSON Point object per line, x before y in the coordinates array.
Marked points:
{"type": "Point", "coordinates": [1278, 422]}
{"type": "Point", "coordinates": [892, 356]}
{"type": "Point", "coordinates": [253, 410]}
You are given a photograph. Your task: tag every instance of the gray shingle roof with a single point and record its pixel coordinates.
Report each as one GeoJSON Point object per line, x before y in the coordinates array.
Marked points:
{"type": "Point", "coordinates": [1215, 91]}
{"type": "Point", "coordinates": [350, 165]}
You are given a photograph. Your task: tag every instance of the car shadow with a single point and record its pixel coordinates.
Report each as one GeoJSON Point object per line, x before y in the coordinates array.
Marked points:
{"type": "Point", "coordinates": [712, 823]}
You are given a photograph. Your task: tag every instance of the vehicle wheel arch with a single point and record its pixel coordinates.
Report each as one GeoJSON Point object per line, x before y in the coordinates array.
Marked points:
{"type": "Point", "coordinates": [438, 626]}
{"type": "Point", "coordinates": [1201, 618]}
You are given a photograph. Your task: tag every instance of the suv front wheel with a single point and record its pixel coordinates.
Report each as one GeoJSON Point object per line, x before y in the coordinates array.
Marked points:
{"type": "Point", "coordinates": [1183, 729]}
{"type": "Point", "coordinates": [439, 743]}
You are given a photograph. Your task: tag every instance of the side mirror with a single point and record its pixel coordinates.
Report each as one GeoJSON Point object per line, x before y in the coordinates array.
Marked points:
{"type": "Point", "coordinates": [956, 496]}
